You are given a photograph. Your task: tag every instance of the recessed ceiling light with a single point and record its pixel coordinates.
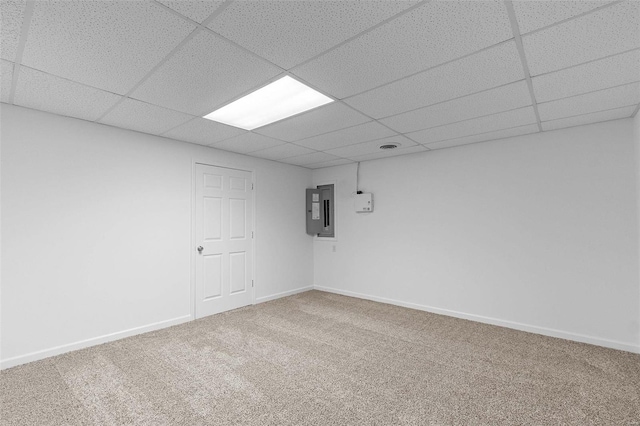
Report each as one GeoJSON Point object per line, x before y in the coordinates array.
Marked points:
{"type": "Point", "coordinates": [278, 100]}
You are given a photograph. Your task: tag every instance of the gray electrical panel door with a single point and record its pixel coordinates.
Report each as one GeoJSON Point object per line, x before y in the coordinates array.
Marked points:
{"type": "Point", "coordinates": [314, 211]}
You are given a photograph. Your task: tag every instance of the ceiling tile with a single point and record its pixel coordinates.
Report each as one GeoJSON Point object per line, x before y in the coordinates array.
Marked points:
{"type": "Point", "coordinates": [6, 78]}
{"type": "Point", "coordinates": [437, 32]}
{"type": "Point", "coordinates": [203, 132]}
{"type": "Point", "coordinates": [143, 117]}
{"type": "Point", "coordinates": [503, 120]}
{"type": "Point", "coordinates": [12, 15]}
{"type": "Point", "coordinates": [601, 100]}
{"type": "Point", "coordinates": [205, 73]}
{"type": "Point", "coordinates": [46, 92]}
{"type": "Point", "coordinates": [532, 15]}
{"type": "Point", "coordinates": [110, 45]}
{"type": "Point", "coordinates": [312, 158]}
{"type": "Point", "coordinates": [594, 117]}
{"type": "Point", "coordinates": [247, 142]}
{"type": "Point", "coordinates": [321, 120]}
{"type": "Point", "coordinates": [288, 33]}
{"type": "Point", "coordinates": [339, 162]}
{"type": "Point", "coordinates": [604, 32]}
{"type": "Point", "coordinates": [483, 70]}
{"type": "Point", "coordinates": [370, 147]}
{"type": "Point", "coordinates": [192, 9]}
{"type": "Point", "coordinates": [589, 77]}
{"type": "Point", "coordinates": [390, 153]}
{"type": "Point", "coordinates": [282, 151]}
{"type": "Point", "coordinates": [511, 96]}
{"type": "Point", "coordinates": [489, 136]}
{"type": "Point", "coordinates": [349, 136]}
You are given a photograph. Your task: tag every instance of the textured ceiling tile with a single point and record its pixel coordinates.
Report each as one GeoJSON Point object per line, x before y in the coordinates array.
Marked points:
{"type": "Point", "coordinates": [312, 158]}
{"type": "Point", "coordinates": [484, 70]}
{"type": "Point", "coordinates": [110, 45]}
{"type": "Point", "coordinates": [489, 123]}
{"type": "Point", "coordinates": [532, 15]}
{"type": "Point", "coordinates": [595, 117]}
{"type": "Point", "coordinates": [192, 9]}
{"type": "Point", "coordinates": [370, 147]}
{"type": "Point", "coordinates": [6, 77]}
{"type": "Point", "coordinates": [142, 117]}
{"type": "Point", "coordinates": [247, 142]}
{"type": "Point", "coordinates": [205, 73]}
{"type": "Point", "coordinates": [597, 75]}
{"type": "Point", "coordinates": [489, 136]}
{"type": "Point", "coordinates": [12, 15]}
{"type": "Point", "coordinates": [321, 120]}
{"type": "Point", "coordinates": [45, 92]}
{"type": "Point", "coordinates": [604, 32]}
{"type": "Point", "coordinates": [352, 135]}
{"type": "Point", "coordinates": [203, 132]}
{"type": "Point", "coordinates": [601, 100]}
{"type": "Point", "coordinates": [511, 96]}
{"type": "Point", "coordinates": [290, 32]}
{"type": "Point", "coordinates": [390, 153]}
{"type": "Point", "coordinates": [282, 151]}
{"type": "Point", "coordinates": [339, 162]}
{"type": "Point", "coordinates": [435, 33]}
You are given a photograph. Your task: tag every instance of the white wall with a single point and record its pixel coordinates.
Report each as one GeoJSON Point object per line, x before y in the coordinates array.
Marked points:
{"type": "Point", "coordinates": [96, 231]}
{"type": "Point", "coordinates": [538, 233]}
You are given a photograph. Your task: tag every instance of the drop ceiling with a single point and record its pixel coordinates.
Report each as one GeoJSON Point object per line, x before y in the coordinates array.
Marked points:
{"type": "Point", "coordinates": [424, 75]}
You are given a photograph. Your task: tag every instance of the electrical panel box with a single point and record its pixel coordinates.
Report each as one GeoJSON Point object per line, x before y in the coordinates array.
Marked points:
{"type": "Point", "coordinates": [364, 202]}
{"type": "Point", "coordinates": [320, 211]}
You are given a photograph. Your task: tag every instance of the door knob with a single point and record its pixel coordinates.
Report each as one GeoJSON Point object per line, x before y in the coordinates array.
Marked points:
{"type": "Point", "coordinates": [200, 248]}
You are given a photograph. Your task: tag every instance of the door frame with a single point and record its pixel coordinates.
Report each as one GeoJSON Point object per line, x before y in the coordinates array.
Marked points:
{"type": "Point", "coordinates": [192, 248]}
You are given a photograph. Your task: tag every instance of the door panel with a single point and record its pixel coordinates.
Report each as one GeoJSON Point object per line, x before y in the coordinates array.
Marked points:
{"type": "Point", "coordinates": [237, 218]}
{"type": "Point", "coordinates": [237, 184]}
{"type": "Point", "coordinates": [224, 215]}
{"type": "Point", "coordinates": [238, 271]}
{"type": "Point", "coordinates": [212, 275]}
{"type": "Point", "coordinates": [212, 218]}
{"type": "Point", "coordinates": [212, 181]}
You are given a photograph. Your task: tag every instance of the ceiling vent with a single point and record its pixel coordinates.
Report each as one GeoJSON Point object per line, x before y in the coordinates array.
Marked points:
{"type": "Point", "coordinates": [389, 146]}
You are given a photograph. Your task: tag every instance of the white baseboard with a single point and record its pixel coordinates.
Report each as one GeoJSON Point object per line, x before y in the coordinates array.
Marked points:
{"type": "Point", "coordinates": [283, 294]}
{"type": "Point", "coordinates": [629, 347]}
{"type": "Point", "coordinates": [46, 353]}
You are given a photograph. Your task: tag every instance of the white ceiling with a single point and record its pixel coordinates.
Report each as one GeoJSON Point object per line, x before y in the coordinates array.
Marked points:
{"type": "Point", "coordinates": [422, 74]}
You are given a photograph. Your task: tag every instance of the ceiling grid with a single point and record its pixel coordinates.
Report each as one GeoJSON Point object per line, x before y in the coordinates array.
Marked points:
{"type": "Point", "coordinates": [581, 3]}
{"type": "Point", "coordinates": [169, 55]}
{"type": "Point", "coordinates": [424, 74]}
{"type": "Point", "coordinates": [26, 22]}
{"type": "Point", "coordinates": [527, 73]}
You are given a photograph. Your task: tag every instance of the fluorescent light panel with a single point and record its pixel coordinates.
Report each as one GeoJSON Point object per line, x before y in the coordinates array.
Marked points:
{"type": "Point", "coordinates": [281, 99]}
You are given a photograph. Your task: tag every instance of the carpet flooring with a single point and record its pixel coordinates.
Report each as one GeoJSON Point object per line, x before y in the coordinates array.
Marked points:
{"type": "Point", "coordinates": [322, 359]}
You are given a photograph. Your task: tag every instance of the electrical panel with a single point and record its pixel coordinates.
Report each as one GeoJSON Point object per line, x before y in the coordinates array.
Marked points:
{"type": "Point", "coordinates": [364, 202]}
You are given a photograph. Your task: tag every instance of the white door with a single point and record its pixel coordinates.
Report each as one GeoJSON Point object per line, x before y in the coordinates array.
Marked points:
{"type": "Point", "coordinates": [224, 249]}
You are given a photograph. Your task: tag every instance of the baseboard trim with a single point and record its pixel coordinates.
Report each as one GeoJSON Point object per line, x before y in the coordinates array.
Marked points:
{"type": "Point", "coordinates": [283, 294]}
{"type": "Point", "coordinates": [46, 353]}
{"type": "Point", "coordinates": [629, 347]}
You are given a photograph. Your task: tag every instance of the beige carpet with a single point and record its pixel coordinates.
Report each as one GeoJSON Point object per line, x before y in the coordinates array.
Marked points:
{"type": "Point", "coordinates": [322, 359]}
